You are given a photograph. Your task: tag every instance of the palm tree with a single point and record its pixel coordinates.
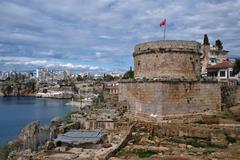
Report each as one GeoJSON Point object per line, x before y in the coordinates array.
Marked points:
{"type": "Point", "coordinates": [236, 67]}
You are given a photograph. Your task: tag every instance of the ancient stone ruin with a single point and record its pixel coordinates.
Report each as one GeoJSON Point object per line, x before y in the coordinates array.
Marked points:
{"type": "Point", "coordinates": [167, 81]}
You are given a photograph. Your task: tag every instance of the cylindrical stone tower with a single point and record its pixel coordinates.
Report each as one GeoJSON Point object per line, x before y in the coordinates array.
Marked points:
{"type": "Point", "coordinates": [167, 59]}
{"type": "Point", "coordinates": [167, 81]}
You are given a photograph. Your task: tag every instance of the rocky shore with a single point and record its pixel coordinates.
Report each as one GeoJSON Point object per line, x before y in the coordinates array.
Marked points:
{"type": "Point", "coordinates": [10, 88]}
{"type": "Point", "coordinates": [58, 95]}
{"type": "Point", "coordinates": [133, 137]}
{"type": "Point", "coordinates": [82, 104]}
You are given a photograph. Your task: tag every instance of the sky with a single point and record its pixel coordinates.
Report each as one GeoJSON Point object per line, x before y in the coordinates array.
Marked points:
{"type": "Point", "coordinates": [99, 35]}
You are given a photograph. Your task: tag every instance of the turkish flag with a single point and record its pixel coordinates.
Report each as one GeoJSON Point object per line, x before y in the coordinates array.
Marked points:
{"type": "Point", "coordinates": [163, 23]}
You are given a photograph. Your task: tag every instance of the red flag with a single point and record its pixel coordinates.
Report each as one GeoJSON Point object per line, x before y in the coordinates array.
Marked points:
{"type": "Point", "coordinates": [163, 23]}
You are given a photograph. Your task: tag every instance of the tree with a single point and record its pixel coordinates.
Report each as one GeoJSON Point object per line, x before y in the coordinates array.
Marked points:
{"type": "Point", "coordinates": [108, 77]}
{"type": "Point", "coordinates": [79, 78]}
{"type": "Point", "coordinates": [218, 44]}
{"type": "Point", "coordinates": [129, 74]}
{"type": "Point", "coordinates": [99, 102]}
{"type": "Point", "coordinates": [236, 67]}
{"type": "Point", "coordinates": [205, 40]}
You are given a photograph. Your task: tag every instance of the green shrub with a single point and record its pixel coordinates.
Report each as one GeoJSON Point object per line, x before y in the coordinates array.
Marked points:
{"type": "Point", "coordinates": [145, 154]}
{"type": "Point", "coordinates": [143, 130]}
{"type": "Point", "coordinates": [227, 113]}
{"type": "Point", "coordinates": [231, 139]}
{"type": "Point", "coordinates": [200, 122]}
{"type": "Point", "coordinates": [212, 145]}
{"type": "Point", "coordinates": [208, 151]}
{"type": "Point", "coordinates": [196, 143]}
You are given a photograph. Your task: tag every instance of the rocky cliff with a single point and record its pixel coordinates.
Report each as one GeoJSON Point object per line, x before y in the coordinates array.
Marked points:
{"type": "Point", "coordinates": [12, 88]}
{"type": "Point", "coordinates": [32, 136]}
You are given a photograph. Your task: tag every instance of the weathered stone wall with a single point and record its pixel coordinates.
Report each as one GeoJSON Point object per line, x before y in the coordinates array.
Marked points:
{"type": "Point", "coordinates": [237, 100]}
{"type": "Point", "coordinates": [215, 133]}
{"type": "Point", "coordinates": [170, 97]}
{"type": "Point", "coordinates": [173, 59]}
{"type": "Point", "coordinates": [228, 95]}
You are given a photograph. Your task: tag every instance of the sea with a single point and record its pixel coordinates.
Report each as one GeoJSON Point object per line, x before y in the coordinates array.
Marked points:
{"type": "Point", "coordinates": [17, 112]}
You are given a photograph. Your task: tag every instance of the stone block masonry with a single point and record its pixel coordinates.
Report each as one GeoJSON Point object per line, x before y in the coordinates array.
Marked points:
{"type": "Point", "coordinates": [170, 98]}
{"type": "Point", "coordinates": [237, 100]}
{"type": "Point", "coordinates": [174, 59]}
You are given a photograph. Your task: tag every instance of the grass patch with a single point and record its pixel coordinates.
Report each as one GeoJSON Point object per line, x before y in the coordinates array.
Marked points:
{"type": "Point", "coordinates": [145, 154]}
{"type": "Point", "coordinates": [227, 113]}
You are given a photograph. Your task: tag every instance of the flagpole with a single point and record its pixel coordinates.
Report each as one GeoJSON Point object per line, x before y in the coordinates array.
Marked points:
{"type": "Point", "coordinates": [164, 30]}
{"type": "Point", "coordinates": [164, 23]}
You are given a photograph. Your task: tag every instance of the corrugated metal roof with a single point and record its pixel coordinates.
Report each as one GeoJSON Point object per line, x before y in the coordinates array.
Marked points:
{"type": "Point", "coordinates": [81, 137]}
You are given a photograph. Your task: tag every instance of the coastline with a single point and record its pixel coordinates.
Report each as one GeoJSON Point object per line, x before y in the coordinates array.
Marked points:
{"type": "Point", "coordinates": [54, 107]}
{"type": "Point", "coordinates": [35, 95]}
{"type": "Point", "coordinates": [78, 104]}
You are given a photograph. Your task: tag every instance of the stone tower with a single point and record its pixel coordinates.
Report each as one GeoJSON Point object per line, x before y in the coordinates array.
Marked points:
{"type": "Point", "coordinates": [173, 59]}
{"type": "Point", "coordinates": [167, 80]}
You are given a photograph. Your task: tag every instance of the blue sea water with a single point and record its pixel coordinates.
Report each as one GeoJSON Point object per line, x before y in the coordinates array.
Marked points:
{"type": "Point", "coordinates": [17, 112]}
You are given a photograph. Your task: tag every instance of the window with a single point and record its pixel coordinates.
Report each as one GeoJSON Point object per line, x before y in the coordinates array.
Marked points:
{"type": "Point", "coordinates": [222, 74]}
{"type": "Point", "coordinates": [213, 60]}
{"type": "Point", "coordinates": [138, 63]}
{"type": "Point", "coordinates": [231, 74]}
{"type": "Point", "coordinates": [212, 74]}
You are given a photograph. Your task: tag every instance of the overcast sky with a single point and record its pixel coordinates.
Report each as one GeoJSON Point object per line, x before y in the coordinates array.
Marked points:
{"type": "Point", "coordinates": [99, 35]}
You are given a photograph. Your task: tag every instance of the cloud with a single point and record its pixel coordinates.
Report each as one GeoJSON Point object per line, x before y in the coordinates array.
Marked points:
{"type": "Point", "coordinates": [99, 54]}
{"type": "Point", "coordinates": [106, 31]}
{"type": "Point", "coordinates": [34, 63]}
{"type": "Point", "coordinates": [106, 37]}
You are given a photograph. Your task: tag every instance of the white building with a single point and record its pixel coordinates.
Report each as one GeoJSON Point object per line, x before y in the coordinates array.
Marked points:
{"type": "Point", "coordinates": [223, 72]}
{"type": "Point", "coordinates": [211, 55]}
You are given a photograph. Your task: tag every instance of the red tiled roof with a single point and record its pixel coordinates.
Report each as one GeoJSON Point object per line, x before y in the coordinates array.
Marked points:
{"type": "Point", "coordinates": [225, 64]}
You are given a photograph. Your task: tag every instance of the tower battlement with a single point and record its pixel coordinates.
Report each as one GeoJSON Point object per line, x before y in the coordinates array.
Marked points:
{"type": "Point", "coordinates": [168, 45]}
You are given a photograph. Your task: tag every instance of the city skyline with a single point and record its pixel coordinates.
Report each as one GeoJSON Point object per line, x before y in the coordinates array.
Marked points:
{"type": "Point", "coordinates": [99, 36]}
